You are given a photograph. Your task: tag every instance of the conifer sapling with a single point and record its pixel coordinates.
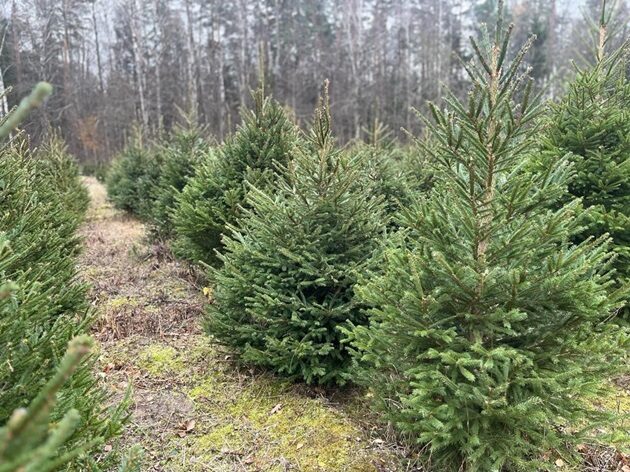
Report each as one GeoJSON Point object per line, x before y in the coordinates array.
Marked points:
{"type": "Point", "coordinates": [289, 269]}
{"type": "Point", "coordinates": [592, 123]}
{"type": "Point", "coordinates": [213, 197]}
{"type": "Point", "coordinates": [488, 330]}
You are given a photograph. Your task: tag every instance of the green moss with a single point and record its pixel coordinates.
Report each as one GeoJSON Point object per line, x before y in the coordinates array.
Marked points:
{"type": "Point", "coordinates": [201, 351]}
{"type": "Point", "coordinates": [260, 419]}
{"type": "Point", "coordinates": [222, 438]}
{"type": "Point", "coordinates": [617, 400]}
{"type": "Point", "coordinates": [301, 430]}
{"type": "Point", "coordinates": [208, 389]}
{"type": "Point", "coordinates": [616, 433]}
{"type": "Point", "coordinates": [119, 302]}
{"type": "Point", "coordinates": [158, 359]}
{"type": "Point", "coordinates": [313, 437]}
{"type": "Point", "coordinates": [152, 309]}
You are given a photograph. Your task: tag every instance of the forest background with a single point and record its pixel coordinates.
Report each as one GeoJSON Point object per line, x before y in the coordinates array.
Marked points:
{"type": "Point", "coordinates": [155, 63]}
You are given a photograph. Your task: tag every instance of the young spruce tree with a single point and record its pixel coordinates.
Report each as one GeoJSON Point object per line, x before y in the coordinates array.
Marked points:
{"type": "Point", "coordinates": [32, 441]}
{"type": "Point", "coordinates": [385, 176]}
{"type": "Point", "coordinates": [184, 150]}
{"type": "Point", "coordinates": [28, 441]}
{"type": "Point", "coordinates": [592, 123]}
{"type": "Point", "coordinates": [213, 197]}
{"type": "Point", "coordinates": [287, 281]}
{"type": "Point", "coordinates": [488, 329]}
{"type": "Point", "coordinates": [132, 178]}
{"type": "Point", "coordinates": [59, 168]}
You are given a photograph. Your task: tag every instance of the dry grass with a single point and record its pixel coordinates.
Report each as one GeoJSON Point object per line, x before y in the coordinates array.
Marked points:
{"type": "Point", "coordinates": [136, 293]}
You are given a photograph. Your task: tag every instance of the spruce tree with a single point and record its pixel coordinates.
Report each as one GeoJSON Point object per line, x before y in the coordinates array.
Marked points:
{"type": "Point", "coordinates": [132, 178]}
{"type": "Point", "coordinates": [30, 441]}
{"type": "Point", "coordinates": [42, 302]}
{"type": "Point", "coordinates": [54, 164]}
{"type": "Point", "coordinates": [289, 269]}
{"type": "Point", "coordinates": [183, 151]}
{"type": "Point", "coordinates": [488, 329]}
{"type": "Point", "coordinates": [385, 176]}
{"type": "Point", "coordinates": [592, 124]}
{"type": "Point", "coordinates": [213, 197]}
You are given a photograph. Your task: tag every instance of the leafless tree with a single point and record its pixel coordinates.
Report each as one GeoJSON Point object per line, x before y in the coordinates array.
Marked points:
{"type": "Point", "coordinates": [123, 62]}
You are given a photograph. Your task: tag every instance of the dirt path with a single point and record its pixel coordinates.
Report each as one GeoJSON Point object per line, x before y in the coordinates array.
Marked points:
{"type": "Point", "coordinates": [192, 409]}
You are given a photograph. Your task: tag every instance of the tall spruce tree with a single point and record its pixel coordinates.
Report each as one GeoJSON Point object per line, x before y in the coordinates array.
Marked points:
{"type": "Point", "coordinates": [488, 330]}
{"type": "Point", "coordinates": [289, 269]}
{"type": "Point", "coordinates": [43, 304]}
{"type": "Point", "coordinates": [592, 123]}
{"type": "Point", "coordinates": [212, 199]}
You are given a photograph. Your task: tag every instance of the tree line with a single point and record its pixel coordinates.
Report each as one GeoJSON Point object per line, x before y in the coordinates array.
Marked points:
{"type": "Point", "coordinates": [151, 61]}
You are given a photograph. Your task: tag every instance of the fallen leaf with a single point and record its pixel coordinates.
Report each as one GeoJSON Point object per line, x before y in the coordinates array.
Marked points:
{"type": "Point", "coordinates": [186, 427]}
{"type": "Point", "coordinates": [299, 446]}
{"type": "Point", "coordinates": [276, 409]}
{"type": "Point", "coordinates": [107, 448]}
{"type": "Point", "coordinates": [559, 462]}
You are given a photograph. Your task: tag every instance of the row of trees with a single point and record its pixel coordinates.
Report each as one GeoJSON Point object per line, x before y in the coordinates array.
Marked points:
{"type": "Point", "coordinates": [474, 295]}
{"type": "Point", "coordinates": [113, 63]}
{"type": "Point", "coordinates": [44, 311]}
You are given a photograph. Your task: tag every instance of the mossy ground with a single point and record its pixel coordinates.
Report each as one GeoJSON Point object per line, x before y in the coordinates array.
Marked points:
{"type": "Point", "coordinates": [200, 412]}
{"type": "Point", "coordinates": [193, 409]}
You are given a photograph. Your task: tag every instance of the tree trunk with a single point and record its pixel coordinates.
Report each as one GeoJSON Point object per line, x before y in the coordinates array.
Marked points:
{"type": "Point", "coordinates": [242, 10]}
{"type": "Point", "coordinates": [158, 67]}
{"type": "Point", "coordinates": [190, 63]}
{"type": "Point", "coordinates": [97, 47]}
{"type": "Point", "coordinates": [17, 56]}
{"type": "Point", "coordinates": [66, 54]}
{"type": "Point", "coordinates": [139, 65]}
{"type": "Point", "coordinates": [221, 79]}
{"type": "Point", "coordinates": [4, 104]}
